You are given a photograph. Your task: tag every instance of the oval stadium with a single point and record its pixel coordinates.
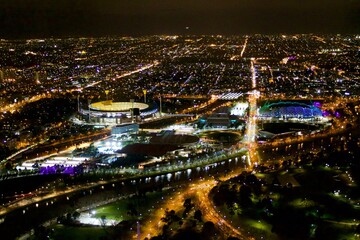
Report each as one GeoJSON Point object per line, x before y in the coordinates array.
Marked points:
{"type": "Point", "coordinates": [120, 107]}
{"type": "Point", "coordinates": [113, 113]}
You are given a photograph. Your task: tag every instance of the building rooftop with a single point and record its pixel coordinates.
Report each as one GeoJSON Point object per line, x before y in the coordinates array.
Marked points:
{"type": "Point", "coordinates": [154, 150]}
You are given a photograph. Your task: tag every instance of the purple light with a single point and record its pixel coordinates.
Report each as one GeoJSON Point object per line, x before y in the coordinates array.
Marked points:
{"type": "Point", "coordinates": [70, 170]}
{"type": "Point", "coordinates": [317, 104]}
{"type": "Point", "coordinates": [326, 113]}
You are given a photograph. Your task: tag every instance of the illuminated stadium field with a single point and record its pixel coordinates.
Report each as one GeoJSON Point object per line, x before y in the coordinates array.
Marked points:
{"type": "Point", "coordinates": [110, 106]}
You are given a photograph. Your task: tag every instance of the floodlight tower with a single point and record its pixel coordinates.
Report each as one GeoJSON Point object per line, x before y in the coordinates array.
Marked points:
{"type": "Point", "coordinates": [132, 110]}
{"type": "Point", "coordinates": [89, 102]}
{"type": "Point", "coordinates": [78, 102]}
{"type": "Point", "coordinates": [144, 91]}
{"type": "Point", "coordinates": [160, 106]}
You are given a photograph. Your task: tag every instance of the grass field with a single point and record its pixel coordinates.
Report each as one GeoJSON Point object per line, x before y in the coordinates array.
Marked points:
{"type": "Point", "coordinates": [119, 210]}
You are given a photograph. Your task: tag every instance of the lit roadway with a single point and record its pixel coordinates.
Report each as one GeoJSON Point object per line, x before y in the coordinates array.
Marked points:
{"type": "Point", "coordinates": [16, 106]}
{"type": "Point", "coordinates": [198, 191]}
{"type": "Point", "coordinates": [155, 63]}
{"type": "Point", "coordinates": [251, 125]}
{"type": "Point", "coordinates": [244, 47]}
{"type": "Point", "coordinates": [38, 197]}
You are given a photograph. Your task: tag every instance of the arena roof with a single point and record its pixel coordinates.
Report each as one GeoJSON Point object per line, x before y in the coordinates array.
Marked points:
{"type": "Point", "coordinates": [286, 104]}
{"type": "Point", "coordinates": [110, 106]}
{"type": "Point", "coordinates": [289, 109]}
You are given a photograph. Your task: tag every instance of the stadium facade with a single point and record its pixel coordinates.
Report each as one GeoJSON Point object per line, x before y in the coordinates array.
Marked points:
{"type": "Point", "coordinates": [114, 113]}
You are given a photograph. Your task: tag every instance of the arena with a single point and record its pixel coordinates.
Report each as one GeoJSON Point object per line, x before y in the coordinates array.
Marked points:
{"type": "Point", "coordinates": [117, 107]}
{"type": "Point", "coordinates": [289, 110]}
{"type": "Point", "coordinates": [113, 113]}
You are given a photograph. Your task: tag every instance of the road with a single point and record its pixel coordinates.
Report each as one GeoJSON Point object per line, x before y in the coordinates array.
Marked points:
{"type": "Point", "coordinates": [17, 106]}
{"type": "Point", "coordinates": [244, 47]}
{"type": "Point", "coordinates": [155, 63]}
{"type": "Point", "coordinates": [251, 124]}
{"type": "Point", "coordinates": [198, 191]}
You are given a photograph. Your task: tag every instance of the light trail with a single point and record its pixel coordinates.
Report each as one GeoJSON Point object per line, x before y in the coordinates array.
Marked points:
{"type": "Point", "coordinates": [244, 47]}
{"type": "Point", "coordinates": [37, 198]}
{"type": "Point", "coordinates": [16, 106]}
{"type": "Point", "coordinates": [155, 63]}
{"type": "Point", "coordinates": [209, 212]}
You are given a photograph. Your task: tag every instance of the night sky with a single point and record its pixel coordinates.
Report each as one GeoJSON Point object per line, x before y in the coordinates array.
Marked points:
{"type": "Point", "coordinates": [62, 18]}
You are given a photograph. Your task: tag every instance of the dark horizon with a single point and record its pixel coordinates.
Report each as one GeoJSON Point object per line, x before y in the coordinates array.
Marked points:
{"type": "Point", "coordinates": [94, 18]}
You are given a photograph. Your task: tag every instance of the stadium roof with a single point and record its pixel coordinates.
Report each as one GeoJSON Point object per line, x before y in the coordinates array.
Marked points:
{"type": "Point", "coordinates": [110, 106]}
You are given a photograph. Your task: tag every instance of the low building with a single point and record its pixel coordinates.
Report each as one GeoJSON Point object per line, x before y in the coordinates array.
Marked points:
{"type": "Point", "coordinates": [125, 128]}
{"type": "Point", "coordinates": [222, 118]}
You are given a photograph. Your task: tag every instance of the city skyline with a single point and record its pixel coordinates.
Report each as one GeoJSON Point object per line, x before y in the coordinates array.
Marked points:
{"type": "Point", "coordinates": [39, 18]}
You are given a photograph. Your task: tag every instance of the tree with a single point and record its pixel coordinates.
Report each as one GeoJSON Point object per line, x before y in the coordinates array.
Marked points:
{"type": "Point", "coordinates": [187, 203]}
{"type": "Point", "coordinates": [208, 230]}
{"type": "Point", "coordinates": [245, 196]}
{"type": "Point", "coordinates": [69, 217]}
{"type": "Point", "coordinates": [188, 206]}
{"type": "Point", "coordinates": [251, 179]}
{"type": "Point", "coordinates": [170, 216]}
{"type": "Point", "coordinates": [357, 230]}
{"type": "Point", "coordinates": [103, 220]}
{"type": "Point", "coordinates": [76, 215]}
{"type": "Point", "coordinates": [8, 166]}
{"type": "Point", "coordinates": [41, 233]}
{"type": "Point", "coordinates": [132, 210]}
{"type": "Point", "coordinates": [187, 234]}
{"type": "Point", "coordinates": [198, 215]}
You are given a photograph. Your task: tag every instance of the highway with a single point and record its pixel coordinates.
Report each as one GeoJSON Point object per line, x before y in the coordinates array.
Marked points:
{"type": "Point", "coordinates": [244, 47]}
{"type": "Point", "coordinates": [251, 124]}
{"type": "Point", "coordinates": [198, 191]}
{"type": "Point", "coordinates": [155, 63]}
{"type": "Point", "coordinates": [17, 106]}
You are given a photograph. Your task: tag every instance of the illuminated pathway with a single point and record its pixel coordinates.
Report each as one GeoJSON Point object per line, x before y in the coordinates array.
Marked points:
{"type": "Point", "coordinates": [251, 125]}
{"type": "Point", "coordinates": [209, 211]}
{"type": "Point", "coordinates": [155, 63]}
{"type": "Point", "coordinates": [200, 190]}
{"type": "Point", "coordinates": [17, 106]}
{"type": "Point", "coordinates": [244, 47]}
